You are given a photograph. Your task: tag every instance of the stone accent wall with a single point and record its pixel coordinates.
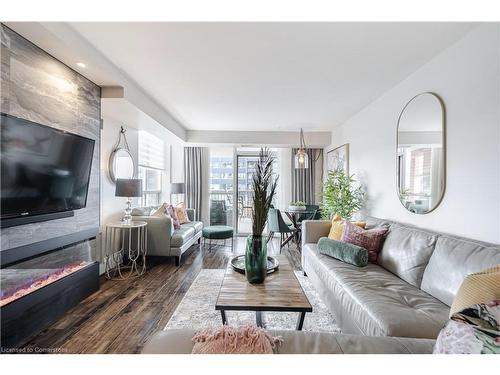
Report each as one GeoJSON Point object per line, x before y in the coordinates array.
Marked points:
{"type": "Point", "coordinates": [37, 87]}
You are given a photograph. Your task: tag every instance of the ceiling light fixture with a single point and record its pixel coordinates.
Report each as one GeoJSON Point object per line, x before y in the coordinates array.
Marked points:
{"type": "Point", "coordinates": [301, 157]}
{"type": "Point", "coordinates": [81, 65]}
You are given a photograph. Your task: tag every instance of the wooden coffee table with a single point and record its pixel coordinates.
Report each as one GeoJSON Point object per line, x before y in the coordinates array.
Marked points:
{"type": "Point", "coordinates": [281, 291]}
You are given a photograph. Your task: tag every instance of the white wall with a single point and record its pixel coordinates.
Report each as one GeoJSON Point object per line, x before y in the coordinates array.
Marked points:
{"type": "Point", "coordinates": [112, 207]}
{"type": "Point", "coordinates": [466, 76]}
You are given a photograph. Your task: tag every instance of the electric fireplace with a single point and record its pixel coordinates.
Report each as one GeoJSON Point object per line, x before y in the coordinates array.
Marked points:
{"type": "Point", "coordinates": [27, 276]}
{"type": "Point", "coordinates": [35, 291]}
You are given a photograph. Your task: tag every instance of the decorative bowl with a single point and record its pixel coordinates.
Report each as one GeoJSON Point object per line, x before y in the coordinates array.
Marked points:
{"type": "Point", "coordinates": [238, 264]}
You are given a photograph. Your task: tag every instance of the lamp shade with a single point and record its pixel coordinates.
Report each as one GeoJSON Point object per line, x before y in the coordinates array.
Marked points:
{"type": "Point", "coordinates": [128, 187]}
{"type": "Point", "coordinates": [301, 159]}
{"type": "Point", "coordinates": [177, 188]}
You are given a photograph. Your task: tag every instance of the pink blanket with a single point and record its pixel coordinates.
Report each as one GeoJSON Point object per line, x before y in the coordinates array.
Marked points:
{"type": "Point", "coordinates": [234, 340]}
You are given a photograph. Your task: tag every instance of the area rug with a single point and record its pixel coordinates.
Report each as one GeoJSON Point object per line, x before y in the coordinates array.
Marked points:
{"type": "Point", "coordinates": [197, 308]}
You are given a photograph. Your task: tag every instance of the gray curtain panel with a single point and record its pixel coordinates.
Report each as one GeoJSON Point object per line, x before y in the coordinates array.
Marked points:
{"type": "Point", "coordinates": [303, 180]}
{"type": "Point", "coordinates": [193, 171]}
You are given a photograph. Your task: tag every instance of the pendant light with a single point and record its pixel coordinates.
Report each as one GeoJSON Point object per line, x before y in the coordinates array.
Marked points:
{"type": "Point", "coordinates": [301, 157]}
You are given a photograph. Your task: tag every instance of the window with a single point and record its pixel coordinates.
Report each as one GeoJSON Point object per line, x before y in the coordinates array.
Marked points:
{"type": "Point", "coordinates": [151, 167]}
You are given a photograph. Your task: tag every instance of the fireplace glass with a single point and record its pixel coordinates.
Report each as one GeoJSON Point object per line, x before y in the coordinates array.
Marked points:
{"type": "Point", "coordinates": [29, 275]}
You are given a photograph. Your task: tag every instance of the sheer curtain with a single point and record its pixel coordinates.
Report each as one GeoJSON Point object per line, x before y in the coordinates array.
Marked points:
{"type": "Point", "coordinates": [196, 179]}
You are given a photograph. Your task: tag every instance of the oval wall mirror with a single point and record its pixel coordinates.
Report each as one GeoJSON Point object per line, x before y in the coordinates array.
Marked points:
{"type": "Point", "coordinates": [421, 153]}
{"type": "Point", "coordinates": [121, 164]}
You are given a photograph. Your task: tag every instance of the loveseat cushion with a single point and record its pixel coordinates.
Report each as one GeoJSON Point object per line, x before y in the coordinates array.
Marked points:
{"type": "Point", "coordinates": [376, 301]}
{"type": "Point", "coordinates": [181, 236]}
{"type": "Point", "coordinates": [196, 225]}
{"type": "Point", "coordinates": [453, 259]}
{"type": "Point", "coordinates": [406, 252]}
{"type": "Point", "coordinates": [142, 211]}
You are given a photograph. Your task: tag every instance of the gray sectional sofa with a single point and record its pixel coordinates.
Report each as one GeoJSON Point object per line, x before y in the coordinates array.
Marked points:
{"type": "Point", "coordinates": [408, 293]}
{"type": "Point", "coordinates": [163, 239]}
{"type": "Point", "coordinates": [397, 306]}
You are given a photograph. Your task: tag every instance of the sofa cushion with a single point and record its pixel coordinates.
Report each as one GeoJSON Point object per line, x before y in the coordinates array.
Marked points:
{"type": "Point", "coordinates": [181, 236]}
{"type": "Point", "coordinates": [377, 302]}
{"type": "Point", "coordinates": [142, 211]}
{"type": "Point", "coordinates": [406, 252]}
{"type": "Point", "coordinates": [179, 341]}
{"type": "Point", "coordinates": [453, 259]}
{"type": "Point", "coordinates": [196, 225]}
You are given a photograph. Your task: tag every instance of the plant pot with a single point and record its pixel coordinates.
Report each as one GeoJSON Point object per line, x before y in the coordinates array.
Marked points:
{"type": "Point", "coordinates": [256, 259]}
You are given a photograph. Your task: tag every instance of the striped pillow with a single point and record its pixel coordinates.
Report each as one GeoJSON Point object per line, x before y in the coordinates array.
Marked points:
{"type": "Point", "coordinates": [371, 239]}
{"type": "Point", "coordinates": [477, 288]}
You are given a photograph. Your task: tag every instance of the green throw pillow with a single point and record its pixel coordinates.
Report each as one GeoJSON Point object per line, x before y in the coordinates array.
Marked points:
{"type": "Point", "coordinates": [345, 252]}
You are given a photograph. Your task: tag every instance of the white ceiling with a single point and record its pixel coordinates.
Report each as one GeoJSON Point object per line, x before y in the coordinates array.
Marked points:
{"type": "Point", "coordinates": [263, 76]}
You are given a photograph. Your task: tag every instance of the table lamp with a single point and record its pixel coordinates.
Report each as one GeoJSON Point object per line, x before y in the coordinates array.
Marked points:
{"type": "Point", "coordinates": [176, 189]}
{"type": "Point", "coordinates": [128, 187]}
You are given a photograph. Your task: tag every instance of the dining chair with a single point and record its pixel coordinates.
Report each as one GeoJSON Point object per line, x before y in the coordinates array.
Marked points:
{"type": "Point", "coordinates": [276, 224]}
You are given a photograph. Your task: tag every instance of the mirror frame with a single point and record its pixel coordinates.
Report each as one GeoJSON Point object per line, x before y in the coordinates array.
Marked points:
{"type": "Point", "coordinates": [443, 126]}
{"type": "Point", "coordinates": [111, 161]}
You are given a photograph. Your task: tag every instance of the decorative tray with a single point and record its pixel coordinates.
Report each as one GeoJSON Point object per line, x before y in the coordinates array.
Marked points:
{"type": "Point", "coordinates": [238, 264]}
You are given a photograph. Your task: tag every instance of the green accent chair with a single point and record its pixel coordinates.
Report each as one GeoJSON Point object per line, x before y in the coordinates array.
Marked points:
{"type": "Point", "coordinates": [217, 232]}
{"type": "Point", "coordinates": [276, 224]}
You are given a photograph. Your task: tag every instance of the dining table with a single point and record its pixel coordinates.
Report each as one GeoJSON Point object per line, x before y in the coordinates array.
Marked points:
{"type": "Point", "coordinates": [294, 216]}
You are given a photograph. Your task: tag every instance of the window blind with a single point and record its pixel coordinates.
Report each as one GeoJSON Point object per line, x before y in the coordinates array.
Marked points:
{"type": "Point", "coordinates": [151, 151]}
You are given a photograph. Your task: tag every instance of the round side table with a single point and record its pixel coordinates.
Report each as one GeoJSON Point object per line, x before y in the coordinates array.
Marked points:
{"type": "Point", "coordinates": [126, 248]}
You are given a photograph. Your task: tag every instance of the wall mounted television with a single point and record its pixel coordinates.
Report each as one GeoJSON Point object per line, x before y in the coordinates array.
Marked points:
{"type": "Point", "coordinates": [44, 171]}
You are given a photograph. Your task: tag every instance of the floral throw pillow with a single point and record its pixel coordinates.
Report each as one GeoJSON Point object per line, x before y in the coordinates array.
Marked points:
{"type": "Point", "coordinates": [173, 214]}
{"type": "Point", "coordinates": [474, 330]}
{"type": "Point", "coordinates": [371, 239]}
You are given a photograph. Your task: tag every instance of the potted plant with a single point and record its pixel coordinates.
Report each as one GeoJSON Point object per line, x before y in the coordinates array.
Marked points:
{"type": "Point", "coordinates": [297, 206]}
{"type": "Point", "coordinates": [341, 195]}
{"type": "Point", "coordinates": [264, 189]}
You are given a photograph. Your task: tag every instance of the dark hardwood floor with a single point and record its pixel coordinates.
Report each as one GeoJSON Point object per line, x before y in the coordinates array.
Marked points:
{"type": "Point", "coordinates": [122, 315]}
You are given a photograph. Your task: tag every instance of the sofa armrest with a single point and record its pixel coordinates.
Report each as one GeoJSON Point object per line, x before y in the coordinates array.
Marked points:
{"type": "Point", "coordinates": [160, 231]}
{"type": "Point", "coordinates": [190, 212]}
{"type": "Point", "coordinates": [313, 230]}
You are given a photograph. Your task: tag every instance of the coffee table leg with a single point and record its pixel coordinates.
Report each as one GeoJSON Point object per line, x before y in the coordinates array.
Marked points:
{"type": "Point", "coordinates": [300, 321]}
{"type": "Point", "coordinates": [258, 319]}
{"type": "Point", "coordinates": [223, 316]}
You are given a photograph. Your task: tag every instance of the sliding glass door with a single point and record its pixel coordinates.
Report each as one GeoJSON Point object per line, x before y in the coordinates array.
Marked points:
{"type": "Point", "coordinates": [246, 159]}
{"type": "Point", "coordinates": [246, 167]}
{"type": "Point", "coordinates": [231, 171]}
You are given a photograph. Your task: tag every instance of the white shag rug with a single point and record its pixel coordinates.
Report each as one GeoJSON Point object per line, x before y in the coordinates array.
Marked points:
{"type": "Point", "coordinates": [197, 308]}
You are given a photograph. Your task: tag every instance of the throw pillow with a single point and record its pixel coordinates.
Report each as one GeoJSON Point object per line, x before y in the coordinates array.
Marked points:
{"type": "Point", "coordinates": [478, 287]}
{"type": "Point", "coordinates": [337, 227]}
{"type": "Point", "coordinates": [234, 340]}
{"type": "Point", "coordinates": [371, 239]}
{"type": "Point", "coordinates": [160, 211]}
{"type": "Point", "coordinates": [173, 215]}
{"type": "Point", "coordinates": [181, 212]}
{"type": "Point", "coordinates": [344, 252]}
{"type": "Point", "coordinates": [474, 330]}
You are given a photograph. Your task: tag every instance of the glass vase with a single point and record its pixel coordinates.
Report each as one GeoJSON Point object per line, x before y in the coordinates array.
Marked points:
{"type": "Point", "coordinates": [256, 259]}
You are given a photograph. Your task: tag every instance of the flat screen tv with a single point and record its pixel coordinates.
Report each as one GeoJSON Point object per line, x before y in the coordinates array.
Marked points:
{"type": "Point", "coordinates": [44, 170]}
